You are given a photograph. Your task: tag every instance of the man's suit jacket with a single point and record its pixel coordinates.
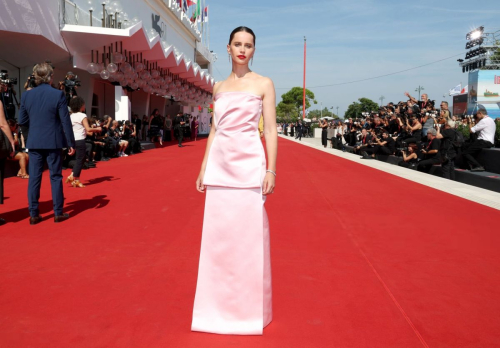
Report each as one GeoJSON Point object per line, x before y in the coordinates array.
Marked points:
{"type": "Point", "coordinates": [45, 111]}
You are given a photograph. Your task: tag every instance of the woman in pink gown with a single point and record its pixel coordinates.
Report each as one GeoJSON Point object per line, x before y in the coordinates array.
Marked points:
{"type": "Point", "coordinates": [233, 292]}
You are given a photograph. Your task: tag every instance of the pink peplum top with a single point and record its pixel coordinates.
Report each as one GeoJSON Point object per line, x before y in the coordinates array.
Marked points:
{"type": "Point", "coordinates": [236, 158]}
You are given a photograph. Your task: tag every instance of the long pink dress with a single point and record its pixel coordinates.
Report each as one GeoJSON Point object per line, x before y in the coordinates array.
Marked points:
{"type": "Point", "coordinates": [233, 293]}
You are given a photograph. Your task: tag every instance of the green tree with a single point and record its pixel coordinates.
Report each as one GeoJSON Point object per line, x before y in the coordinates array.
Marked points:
{"type": "Point", "coordinates": [295, 97]}
{"type": "Point", "coordinates": [356, 108]}
{"type": "Point", "coordinates": [319, 113]}
{"type": "Point", "coordinates": [286, 113]}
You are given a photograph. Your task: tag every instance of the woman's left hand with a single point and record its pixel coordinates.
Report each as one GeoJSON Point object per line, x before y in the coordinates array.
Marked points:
{"type": "Point", "coordinates": [269, 184]}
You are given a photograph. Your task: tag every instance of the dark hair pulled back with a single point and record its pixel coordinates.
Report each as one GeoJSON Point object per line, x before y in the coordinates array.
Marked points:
{"type": "Point", "coordinates": [244, 29]}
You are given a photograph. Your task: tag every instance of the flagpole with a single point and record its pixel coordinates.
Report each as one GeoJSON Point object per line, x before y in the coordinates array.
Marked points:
{"type": "Point", "coordinates": [304, 91]}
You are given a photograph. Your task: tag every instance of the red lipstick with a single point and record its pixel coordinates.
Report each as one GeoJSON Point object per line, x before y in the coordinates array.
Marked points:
{"type": "Point", "coordinates": [241, 56]}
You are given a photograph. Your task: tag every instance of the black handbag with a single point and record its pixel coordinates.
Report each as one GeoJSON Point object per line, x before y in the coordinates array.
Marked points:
{"type": "Point", "coordinates": [5, 146]}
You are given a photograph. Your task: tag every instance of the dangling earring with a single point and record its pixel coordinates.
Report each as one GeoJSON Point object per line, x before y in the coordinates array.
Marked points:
{"type": "Point", "coordinates": [229, 56]}
{"type": "Point", "coordinates": [251, 63]}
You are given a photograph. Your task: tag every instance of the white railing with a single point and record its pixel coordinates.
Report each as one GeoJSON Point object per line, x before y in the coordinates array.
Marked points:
{"type": "Point", "coordinates": [72, 14]}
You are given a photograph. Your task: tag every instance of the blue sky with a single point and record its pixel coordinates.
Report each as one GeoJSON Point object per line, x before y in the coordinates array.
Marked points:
{"type": "Point", "coordinates": [354, 40]}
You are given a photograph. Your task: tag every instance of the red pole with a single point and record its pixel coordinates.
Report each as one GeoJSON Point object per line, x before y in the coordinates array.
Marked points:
{"type": "Point", "coordinates": [304, 91]}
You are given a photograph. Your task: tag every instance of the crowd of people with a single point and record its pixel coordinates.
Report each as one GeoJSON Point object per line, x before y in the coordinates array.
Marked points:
{"type": "Point", "coordinates": [296, 129]}
{"type": "Point", "coordinates": [159, 128]}
{"type": "Point", "coordinates": [54, 129]}
{"type": "Point", "coordinates": [418, 131]}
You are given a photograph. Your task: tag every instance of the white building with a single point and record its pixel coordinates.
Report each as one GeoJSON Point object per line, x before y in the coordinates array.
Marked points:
{"type": "Point", "coordinates": [162, 56]}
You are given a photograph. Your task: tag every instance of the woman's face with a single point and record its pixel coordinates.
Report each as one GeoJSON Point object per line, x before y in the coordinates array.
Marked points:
{"type": "Point", "coordinates": [242, 48]}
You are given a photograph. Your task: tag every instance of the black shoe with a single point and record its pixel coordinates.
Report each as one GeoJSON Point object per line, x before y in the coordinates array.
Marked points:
{"type": "Point", "coordinates": [2, 222]}
{"type": "Point", "coordinates": [35, 220]}
{"type": "Point", "coordinates": [477, 169]}
{"type": "Point", "coordinates": [61, 218]}
{"type": "Point", "coordinates": [365, 155]}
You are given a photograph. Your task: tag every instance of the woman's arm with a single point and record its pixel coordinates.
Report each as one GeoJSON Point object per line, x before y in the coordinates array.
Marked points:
{"type": "Point", "coordinates": [5, 127]}
{"type": "Point", "coordinates": [270, 134]}
{"type": "Point", "coordinates": [199, 182]}
{"type": "Point", "coordinates": [88, 129]}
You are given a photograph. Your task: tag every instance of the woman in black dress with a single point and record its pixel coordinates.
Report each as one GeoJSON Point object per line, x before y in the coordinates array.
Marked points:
{"type": "Point", "coordinates": [6, 129]}
{"type": "Point", "coordinates": [324, 132]}
{"type": "Point", "coordinates": [155, 126]}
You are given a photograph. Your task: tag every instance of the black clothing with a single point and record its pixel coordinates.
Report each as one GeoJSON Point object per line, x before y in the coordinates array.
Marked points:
{"type": "Point", "coordinates": [473, 150]}
{"type": "Point", "coordinates": [298, 130]}
{"type": "Point", "coordinates": [80, 149]}
{"type": "Point", "coordinates": [447, 148]}
{"type": "Point", "coordinates": [154, 129]}
{"type": "Point", "coordinates": [448, 169]}
{"type": "Point", "coordinates": [324, 140]}
{"type": "Point", "coordinates": [138, 124]}
{"type": "Point", "coordinates": [448, 153]}
{"type": "Point", "coordinates": [179, 128]}
{"type": "Point", "coordinates": [434, 144]}
{"type": "Point", "coordinates": [2, 176]}
{"type": "Point", "coordinates": [393, 127]}
{"type": "Point", "coordinates": [431, 159]}
{"type": "Point", "coordinates": [411, 164]}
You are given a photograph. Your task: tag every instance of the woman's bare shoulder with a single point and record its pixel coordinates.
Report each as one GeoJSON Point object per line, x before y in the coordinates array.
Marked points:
{"type": "Point", "coordinates": [217, 86]}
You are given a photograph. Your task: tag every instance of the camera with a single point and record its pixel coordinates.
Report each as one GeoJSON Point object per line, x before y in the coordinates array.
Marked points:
{"type": "Point", "coordinates": [4, 78]}
{"type": "Point", "coordinates": [31, 83]}
{"type": "Point", "coordinates": [71, 81]}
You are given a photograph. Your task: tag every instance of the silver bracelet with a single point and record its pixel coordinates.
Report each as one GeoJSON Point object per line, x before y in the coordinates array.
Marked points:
{"type": "Point", "coordinates": [270, 171]}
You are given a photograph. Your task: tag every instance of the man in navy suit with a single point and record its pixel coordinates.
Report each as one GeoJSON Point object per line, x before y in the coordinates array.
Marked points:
{"type": "Point", "coordinates": [44, 110]}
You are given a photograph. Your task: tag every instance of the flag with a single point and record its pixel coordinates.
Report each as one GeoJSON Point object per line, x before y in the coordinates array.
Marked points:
{"type": "Point", "coordinates": [497, 80]}
{"type": "Point", "coordinates": [465, 90]}
{"type": "Point", "coordinates": [191, 2]}
{"type": "Point", "coordinates": [205, 19]}
{"type": "Point", "coordinates": [184, 5]}
{"type": "Point", "coordinates": [456, 90]}
{"type": "Point", "coordinates": [197, 13]}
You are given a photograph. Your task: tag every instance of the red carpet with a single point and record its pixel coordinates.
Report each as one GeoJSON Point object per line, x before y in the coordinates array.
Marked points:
{"type": "Point", "coordinates": [360, 258]}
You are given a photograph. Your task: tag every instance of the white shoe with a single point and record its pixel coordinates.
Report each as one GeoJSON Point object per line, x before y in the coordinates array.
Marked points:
{"type": "Point", "coordinates": [124, 154]}
{"type": "Point", "coordinates": [120, 154]}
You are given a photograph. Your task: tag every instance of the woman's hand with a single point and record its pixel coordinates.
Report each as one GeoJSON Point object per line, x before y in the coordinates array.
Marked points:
{"type": "Point", "coordinates": [269, 183]}
{"type": "Point", "coordinates": [13, 149]}
{"type": "Point", "coordinates": [199, 183]}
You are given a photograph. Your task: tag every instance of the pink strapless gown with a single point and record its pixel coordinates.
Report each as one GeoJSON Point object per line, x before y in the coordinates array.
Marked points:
{"type": "Point", "coordinates": [233, 293]}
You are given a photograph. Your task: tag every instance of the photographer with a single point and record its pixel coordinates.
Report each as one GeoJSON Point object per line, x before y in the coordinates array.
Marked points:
{"type": "Point", "coordinates": [428, 118]}
{"type": "Point", "coordinates": [413, 128]}
{"type": "Point", "coordinates": [8, 95]}
{"type": "Point", "coordinates": [410, 157]}
{"type": "Point", "coordinates": [485, 129]}
{"type": "Point", "coordinates": [365, 142]}
{"type": "Point", "coordinates": [448, 136]}
{"type": "Point", "coordinates": [384, 146]}
{"type": "Point", "coordinates": [431, 152]}
{"type": "Point", "coordinates": [115, 134]}
{"type": "Point", "coordinates": [129, 134]}
{"type": "Point", "coordinates": [179, 123]}
{"type": "Point", "coordinates": [71, 82]}
{"type": "Point", "coordinates": [393, 124]}
{"type": "Point", "coordinates": [421, 104]}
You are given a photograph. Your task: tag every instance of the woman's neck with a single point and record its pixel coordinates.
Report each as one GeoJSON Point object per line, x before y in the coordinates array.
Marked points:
{"type": "Point", "coordinates": [239, 71]}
